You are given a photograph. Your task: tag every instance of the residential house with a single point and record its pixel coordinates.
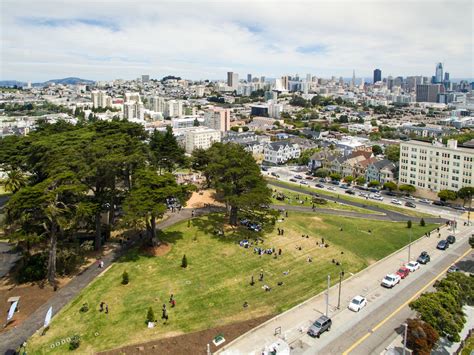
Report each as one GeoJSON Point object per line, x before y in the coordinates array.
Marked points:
{"type": "Point", "coordinates": [381, 171]}
{"type": "Point", "coordinates": [280, 152]}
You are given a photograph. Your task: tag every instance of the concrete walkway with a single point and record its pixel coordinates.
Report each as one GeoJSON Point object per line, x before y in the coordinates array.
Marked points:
{"type": "Point", "coordinates": [13, 338]}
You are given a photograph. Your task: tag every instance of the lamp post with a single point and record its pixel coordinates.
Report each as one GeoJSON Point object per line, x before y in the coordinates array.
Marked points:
{"type": "Point", "coordinates": [409, 247]}
{"type": "Point", "coordinates": [341, 275]}
{"type": "Point", "coordinates": [405, 338]}
{"type": "Point", "coordinates": [327, 296]}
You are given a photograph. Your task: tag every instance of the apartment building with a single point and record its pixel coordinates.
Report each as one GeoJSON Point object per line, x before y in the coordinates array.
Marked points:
{"type": "Point", "coordinates": [434, 166]}
{"type": "Point", "coordinates": [201, 138]}
{"type": "Point", "coordinates": [218, 118]}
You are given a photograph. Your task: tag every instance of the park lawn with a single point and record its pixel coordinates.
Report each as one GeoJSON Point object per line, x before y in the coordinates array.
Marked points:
{"type": "Point", "coordinates": [405, 211]}
{"type": "Point", "coordinates": [214, 286]}
{"type": "Point", "coordinates": [302, 199]}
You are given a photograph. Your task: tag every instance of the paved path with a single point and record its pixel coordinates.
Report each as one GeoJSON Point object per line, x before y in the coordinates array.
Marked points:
{"type": "Point", "coordinates": [388, 214]}
{"type": "Point", "coordinates": [8, 258]}
{"type": "Point", "coordinates": [13, 338]}
{"type": "Point", "coordinates": [376, 322]}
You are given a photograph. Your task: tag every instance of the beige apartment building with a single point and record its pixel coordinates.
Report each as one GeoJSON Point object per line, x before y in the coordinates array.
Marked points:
{"type": "Point", "coordinates": [201, 138]}
{"type": "Point", "coordinates": [432, 167]}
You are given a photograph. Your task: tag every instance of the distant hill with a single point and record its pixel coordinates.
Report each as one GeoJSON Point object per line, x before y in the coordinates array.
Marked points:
{"type": "Point", "coordinates": [64, 81]}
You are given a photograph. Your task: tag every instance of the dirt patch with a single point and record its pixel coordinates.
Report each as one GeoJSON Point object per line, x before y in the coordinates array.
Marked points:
{"type": "Point", "coordinates": [193, 343]}
{"type": "Point", "coordinates": [161, 250]}
{"type": "Point", "coordinates": [203, 198]}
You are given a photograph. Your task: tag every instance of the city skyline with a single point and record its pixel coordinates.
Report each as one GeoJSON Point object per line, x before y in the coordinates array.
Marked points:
{"type": "Point", "coordinates": [117, 39]}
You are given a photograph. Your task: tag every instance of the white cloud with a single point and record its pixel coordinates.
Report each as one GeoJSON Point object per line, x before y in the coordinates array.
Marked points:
{"type": "Point", "coordinates": [110, 39]}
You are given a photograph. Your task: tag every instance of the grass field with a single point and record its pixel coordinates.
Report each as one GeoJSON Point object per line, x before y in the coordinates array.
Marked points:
{"type": "Point", "coordinates": [405, 211]}
{"type": "Point", "coordinates": [212, 289]}
{"type": "Point", "coordinates": [302, 199]}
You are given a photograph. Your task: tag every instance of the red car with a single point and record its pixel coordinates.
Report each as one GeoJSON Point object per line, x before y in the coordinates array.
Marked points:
{"type": "Point", "coordinates": [403, 272]}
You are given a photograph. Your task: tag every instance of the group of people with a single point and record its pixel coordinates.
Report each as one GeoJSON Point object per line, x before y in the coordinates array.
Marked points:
{"type": "Point", "coordinates": [281, 231]}
{"type": "Point", "coordinates": [104, 307]}
{"type": "Point", "coordinates": [268, 251]}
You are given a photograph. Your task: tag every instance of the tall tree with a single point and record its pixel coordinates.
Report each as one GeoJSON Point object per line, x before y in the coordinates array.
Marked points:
{"type": "Point", "coordinates": [235, 174]}
{"type": "Point", "coordinates": [166, 152]}
{"type": "Point", "coordinates": [392, 152]}
{"type": "Point", "coordinates": [447, 195]}
{"type": "Point", "coordinates": [466, 193]}
{"type": "Point", "coordinates": [377, 150]}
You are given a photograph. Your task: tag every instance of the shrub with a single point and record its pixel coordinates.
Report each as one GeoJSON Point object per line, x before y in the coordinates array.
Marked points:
{"type": "Point", "coordinates": [409, 224]}
{"type": "Point", "coordinates": [75, 342]}
{"type": "Point", "coordinates": [84, 308]}
{"type": "Point", "coordinates": [150, 316]}
{"type": "Point", "coordinates": [421, 337]}
{"type": "Point", "coordinates": [320, 201]}
{"type": "Point", "coordinates": [184, 262]}
{"type": "Point", "coordinates": [422, 222]}
{"type": "Point", "coordinates": [125, 279]}
{"type": "Point", "coordinates": [33, 268]}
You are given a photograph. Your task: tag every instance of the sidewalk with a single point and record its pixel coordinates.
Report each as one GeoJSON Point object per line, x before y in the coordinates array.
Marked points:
{"type": "Point", "coordinates": [295, 322]}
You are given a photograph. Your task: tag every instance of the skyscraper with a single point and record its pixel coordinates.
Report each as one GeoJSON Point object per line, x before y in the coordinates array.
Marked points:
{"type": "Point", "coordinates": [439, 73]}
{"type": "Point", "coordinates": [377, 75]}
{"type": "Point", "coordinates": [249, 78]}
{"type": "Point", "coordinates": [427, 92]}
{"type": "Point", "coordinates": [232, 79]}
{"type": "Point", "coordinates": [353, 82]}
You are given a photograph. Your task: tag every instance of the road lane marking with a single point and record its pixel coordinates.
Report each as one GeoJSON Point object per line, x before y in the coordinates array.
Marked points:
{"type": "Point", "coordinates": [361, 339]}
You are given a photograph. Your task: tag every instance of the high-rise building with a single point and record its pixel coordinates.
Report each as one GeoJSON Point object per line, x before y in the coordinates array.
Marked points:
{"type": "Point", "coordinates": [201, 138]}
{"type": "Point", "coordinates": [308, 78]}
{"type": "Point", "coordinates": [353, 82]}
{"type": "Point", "coordinates": [174, 108]}
{"type": "Point", "coordinates": [145, 78]}
{"type": "Point", "coordinates": [249, 78]}
{"type": "Point", "coordinates": [377, 75]}
{"type": "Point", "coordinates": [232, 79]}
{"type": "Point", "coordinates": [435, 166]}
{"type": "Point", "coordinates": [100, 99]}
{"type": "Point", "coordinates": [157, 104]}
{"type": "Point", "coordinates": [439, 73]}
{"type": "Point", "coordinates": [219, 119]}
{"type": "Point", "coordinates": [427, 92]}
{"type": "Point", "coordinates": [132, 96]}
{"type": "Point", "coordinates": [446, 76]}
{"type": "Point", "coordinates": [285, 82]}
{"type": "Point", "coordinates": [133, 110]}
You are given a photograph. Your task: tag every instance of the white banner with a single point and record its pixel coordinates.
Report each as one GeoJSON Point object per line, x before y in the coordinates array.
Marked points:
{"type": "Point", "coordinates": [12, 310]}
{"type": "Point", "coordinates": [49, 314]}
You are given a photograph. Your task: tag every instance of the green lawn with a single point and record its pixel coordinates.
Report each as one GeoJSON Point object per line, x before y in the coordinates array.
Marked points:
{"type": "Point", "coordinates": [405, 211]}
{"type": "Point", "coordinates": [212, 290]}
{"type": "Point", "coordinates": [297, 199]}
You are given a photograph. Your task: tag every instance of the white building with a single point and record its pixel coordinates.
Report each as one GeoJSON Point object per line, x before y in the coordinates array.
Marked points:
{"type": "Point", "coordinates": [157, 104]}
{"type": "Point", "coordinates": [100, 99]}
{"type": "Point", "coordinates": [132, 96]}
{"type": "Point", "coordinates": [174, 108]}
{"type": "Point", "coordinates": [435, 167]}
{"type": "Point", "coordinates": [201, 138]}
{"type": "Point", "coordinates": [133, 110]}
{"type": "Point", "coordinates": [280, 152]}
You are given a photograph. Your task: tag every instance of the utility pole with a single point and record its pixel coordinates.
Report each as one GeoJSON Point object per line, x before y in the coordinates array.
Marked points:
{"type": "Point", "coordinates": [341, 274]}
{"type": "Point", "coordinates": [405, 338]}
{"type": "Point", "coordinates": [409, 248]}
{"type": "Point", "coordinates": [327, 296]}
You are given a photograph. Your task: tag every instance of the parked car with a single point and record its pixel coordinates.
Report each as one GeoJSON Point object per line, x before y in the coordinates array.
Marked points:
{"type": "Point", "coordinates": [458, 207]}
{"type": "Point", "coordinates": [321, 186]}
{"type": "Point", "coordinates": [403, 272]}
{"type": "Point", "coordinates": [439, 203]}
{"type": "Point", "coordinates": [344, 186]}
{"type": "Point", "coordinates": [453, 268]}
{"type": "Point", "coordinates": [298, 177]}
{"type": "Point", "coordinates": [302, 182]}
{"type": "Point", "coordinates": [322, 180]}
{"type": "Point", "coordinates": [410, 204]}
{"type": "Point", "coordinates": [335, 182]}
{"type": "Point", "coordinates": [443, 245]}
{"type": "Point", "coordinates": [378, 198]}
{"type": "Point", "coordinates": [412, 266]}
{"type": "Point", "coordinates": [451, 239]}
{"type": "Point", "coordinates": [408, 197]}
{"type": "Point", "coordinates": [321, 325]}
{"type": "Point", "coordinates": [390, 280]}
{"type": "Point", "coordinates": [274, 174]}
{"type": "Point", "coordinates": [293, 180]}
{"type": "Point", "coordinates": [424, 200]}
{"type": "Point", "coordinates": [396, 202]}
{"type": "Point", "coordinates": [308, 178]}
{"type": "Point", "coordinates": [264, 168]}
{"type": "Point", "coordinates": [350, 192]}
{"type": "Point", "coordinates": [357, 303]}
{"type": "Point", "coordinates": [424, 258]}
{"type": "Point", "coordinates": [374, 190]}
{"type": "Point", "coordinates": [331, 188]}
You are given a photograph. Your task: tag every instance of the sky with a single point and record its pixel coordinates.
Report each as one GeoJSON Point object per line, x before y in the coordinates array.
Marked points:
{"type": "Point", "coordinates": [110, 39]}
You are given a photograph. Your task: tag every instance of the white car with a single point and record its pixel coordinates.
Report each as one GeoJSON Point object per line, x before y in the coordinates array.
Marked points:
{"type": "Point", "coordinates": [357, 303]}
{"type": "Point", "coordinates": [412, 266]}
{"type": "Point", "coordinates": [331, 188]}
{"type": "Point", "coordinates": [396, 202]}
{"type": "Point", "coordinates": [378, 198]}
{"type": "Point", "coordinates": [391, 280]}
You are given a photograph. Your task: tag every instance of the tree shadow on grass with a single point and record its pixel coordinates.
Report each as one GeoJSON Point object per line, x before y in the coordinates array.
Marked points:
{"type": "Point", "coordinates": [216, 225]}
{"type": "Point", "coordinates": [140, 250]}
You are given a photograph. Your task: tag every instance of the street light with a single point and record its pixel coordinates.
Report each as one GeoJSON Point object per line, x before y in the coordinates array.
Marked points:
{"type": "Point", "coordinates": [341, 275]}
{"type": "Point", "coordinates": [405, 338]}
{"type": "Point", "coordinates": [409, 247]}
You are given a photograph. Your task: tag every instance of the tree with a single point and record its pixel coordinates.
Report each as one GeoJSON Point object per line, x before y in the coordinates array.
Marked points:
{"type": "Point", "coordinates": [374, 183]}
{"type": "Point", "coordinates": [147, 200]}
{"type": "Point", "coordinates": [392, 152]}
{"type": "Point", "coordinates": [349, 179]}
{"type": "Point", "coordinates": [335, 176]}
{"type": "Point", "coordinates": [422, 222]}
{"type": "Point", "coordinates": [360, 180]}
{"type": "Point", "coordinates": [49, 208]}
{"type": "Point", "coordinates": [407, 188]}
{"type": "Point", "coordinates": [125, 278]}
{"type": "Point", "coordinates": [466, 193]}
{"type": "Point", "coordinates": [196, 123]}
{"type": "Point", "coordinates": [390, 185]}
{"type": "Point", "coordinates": [235, 174]}
{"type": "Point", "coordinates": [377, 150]}
{"type": "Point", "coordinates": [167, 154]}
{"type": "Point", "coordinates": [446, 195]}
{"type": "Point", "coordinates": [421, 337]}
{"type": "Point", "coordinates": [184, 262]}
{"type": "Point", "coordinates": [409, 223]}
{"type": "Point", "coordinates": [322, 173]}
{"type": "Point", "coordinates": [150, 315]}
{"type": "Point", "coordinates": [15, 180]}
